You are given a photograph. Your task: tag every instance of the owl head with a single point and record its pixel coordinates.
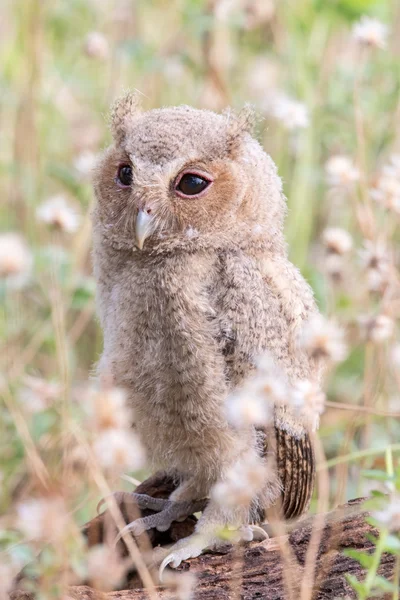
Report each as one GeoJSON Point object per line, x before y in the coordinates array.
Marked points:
{"type": "Point", "coordinates": [181, 178]}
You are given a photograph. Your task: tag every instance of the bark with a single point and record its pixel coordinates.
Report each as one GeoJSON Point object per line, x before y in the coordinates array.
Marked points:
{"type": "Point", "coordinates": [258, 570]}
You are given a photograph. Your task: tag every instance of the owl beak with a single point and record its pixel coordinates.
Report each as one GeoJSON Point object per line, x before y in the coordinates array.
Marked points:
{"type": "Point", "coordinates": [143, 227]}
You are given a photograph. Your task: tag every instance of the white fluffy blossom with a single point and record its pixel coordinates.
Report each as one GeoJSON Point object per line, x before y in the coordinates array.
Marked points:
{"type": "Point", "coordinates": [15, 260]}
{"type": "Point", "coordinates": [376, 329]}
{"type": "Point", "coordinates": [337, 240]}
{"type": "Point", "coordinates": [253, 403]}
{"type": "Point", "coordinates": [107, 408]}
{"type": "Point", "coordinates": [309, 400]}
{"type": "Point", "coordinates": [291, 113]}
{"type": "Point", "coordinates": [244, 409]}
{"type": "Point", "coordinates": [118, 450]}
{"type": "Point", "coordinates": [181, 584]}
{"type": "Point", "coordinates": [395, 358]}
{"type": "Point", "coordinates": [322, 338]}
{"type": "Point", "coordinates": [38, 394]}
{"type": "Point", "coordinates": [84, 163]}
{"type": "Point", "coordinates": [341, 172]}
{"type": "Point", "coordinates": [375, 260]}
{"type": "Point", "coordinates": [390, 514]}
{"type": "Point", "coordinates": [242, 483]}
{"type": "Point", "coordinates": [386, 189]}
{"type": "Point", "coordinates": [58, 213]}
{"type": "Point", "coordinates": [43, 519]}
{"type": "Point", "coordinates": [105, 568]}
{"type": "Point", "coordinates": [371, 32]}
{"type": "Point", "coordinates": [96, 45]}
{"type": "Point", "coordinates": [8, 572]}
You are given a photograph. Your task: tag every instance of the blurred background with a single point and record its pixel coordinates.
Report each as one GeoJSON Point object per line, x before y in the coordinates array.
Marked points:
{"type": "Point", "coordinates": [324, 76]}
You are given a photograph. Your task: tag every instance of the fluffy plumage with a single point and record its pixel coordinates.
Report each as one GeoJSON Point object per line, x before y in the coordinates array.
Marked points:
{"type": "Point", "coordinates": [185, 318]}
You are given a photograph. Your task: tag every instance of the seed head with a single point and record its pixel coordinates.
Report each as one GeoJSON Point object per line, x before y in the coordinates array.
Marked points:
{"type": "Point", "coordinates": [291, 113]}
{"type": "Point", "coordinates": [105, 568]}
{"type": "Point", "coordinates": [119, 450]}
{"type": "Point", "coordinates": [337, 240]}
{"type": "Point", "coordinates": [309, 400]}
{"type": "Point", "coordinates": [341, 172]}
{"type": "Point", "coordinates": [96, 46]}
{"type": "Point", "coordinates": [376, 329]}
{"type": "Point", "coordinates": [43, 519]}
{"type": "Point", "coordinates": [322, 338]}
{"type": "Point", "coordinates": [57, 213]}
{"type": "Point", "coordinates": [15, 260]}
{"type": "Point", "coordinates": [107, 408]}
{"type": "Point", "coordinates": [370, 32]}
{"type": "Point", "coordinates": [242, 482]}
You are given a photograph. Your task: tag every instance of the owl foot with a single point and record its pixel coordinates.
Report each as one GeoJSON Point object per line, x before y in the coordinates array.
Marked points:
{"type": "Point", "coordinates": [195, 544]}
{"type": "Point", "coordinates": [130, 499]}
{"type": "Point", "coordinates": [171, 511]}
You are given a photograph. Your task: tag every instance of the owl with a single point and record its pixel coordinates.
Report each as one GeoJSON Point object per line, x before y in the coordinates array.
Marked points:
{"type": "Point", "coordinates": [193, 285]}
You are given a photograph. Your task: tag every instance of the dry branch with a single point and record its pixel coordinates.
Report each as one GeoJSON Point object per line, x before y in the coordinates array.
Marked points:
{"type": "Point", "coordinates": [260, 574]}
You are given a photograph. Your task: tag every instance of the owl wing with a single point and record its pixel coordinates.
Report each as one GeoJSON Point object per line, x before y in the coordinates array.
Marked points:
{"type": "Point", "coordinates": [262, 306]}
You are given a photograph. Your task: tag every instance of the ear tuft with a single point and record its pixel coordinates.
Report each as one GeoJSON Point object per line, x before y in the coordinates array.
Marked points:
{"type": "Point", "coordinates": [239, 124]}
{"type": "Point", "coordinates": [123, 112]}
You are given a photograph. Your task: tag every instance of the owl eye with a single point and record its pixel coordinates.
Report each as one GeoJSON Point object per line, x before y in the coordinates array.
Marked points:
{"type": "Point", "coordinates": [192, 184]}
{"type": "Point", "coordinates": [124, 175]}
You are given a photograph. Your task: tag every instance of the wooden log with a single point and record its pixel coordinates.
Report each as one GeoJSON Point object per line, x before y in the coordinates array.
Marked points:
{"type": "Point", "coordinates": [258, 570]}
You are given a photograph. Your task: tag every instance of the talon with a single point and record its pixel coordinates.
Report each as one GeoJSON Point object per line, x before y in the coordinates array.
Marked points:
{"type": "Point", "coordinates": [246, 534]}
{"type": "Point", "coordinates": [163, 566]}
{"type": "Point", "coordinates": [259, 534]}
{"type": "Point", "coordinates": [135, 528]}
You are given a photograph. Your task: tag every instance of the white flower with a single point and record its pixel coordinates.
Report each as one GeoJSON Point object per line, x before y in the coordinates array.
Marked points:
{"type": "Point", "coordinates": [181, 584]}
{"type": "Point", "coordinates": [376, 329]}
{"type": "Point", "coordinates": [244, 410]}
{"type": "Point", "coordinates": [395, 358]}
{"type": "Point", "coordinates": [370, 32]}
{"type": "Point", "coordinates": [375, 259]}
{"type": "Point", "coordinates": [118, 450]}
{"type": "Point", "coordinates": [291, 113]}
{"type": "Point", "coordinates": [253, 403]}
{"type": "Point", "coordinates": [390, 515]}
{"type": "Point", "coordinates": [84, 163]}
{"type": "Point", "coordinates": [15, 260]}
{"type": "Point", "coordinates": [309, 400]}
{"type": "Point", "coordinates": [105, 568]}
{"type": "Point", "coordinates": [107, 408]}
{"type": "Point", "coordinates": [38, 394]}
{"type": "Point", "coordinates": [337, 240]}
{"type": "Point", "coordinates": [321, 338]}
{"type": "Point", "coordinates": [174, 69]}
{"type": "Point", "coordinates": [243, 481]}
{"type": "Point", "coordinates": [44, 519]}
{"type": "Point", "coordinates": [386, 190]}
{"type": "Point", "coordinates": [341, 172]}
{"type": "Point", "coordinates": [8, 572]}
{"type": "Point", "coordinates": [59, 214]}
{"type": "Point", "coordinates": [96, 45]}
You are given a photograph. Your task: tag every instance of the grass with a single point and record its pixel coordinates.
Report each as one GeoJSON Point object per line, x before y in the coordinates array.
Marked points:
{"type": "Point", "coordinates": [56, 84]}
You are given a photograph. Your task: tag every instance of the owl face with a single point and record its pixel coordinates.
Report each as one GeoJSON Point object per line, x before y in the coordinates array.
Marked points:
{"type": "Point", "coordinates": [178, 176]}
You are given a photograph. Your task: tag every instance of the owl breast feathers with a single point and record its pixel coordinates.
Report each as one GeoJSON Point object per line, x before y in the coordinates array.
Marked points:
{"type": "Point", "coordinates": [194, 283]}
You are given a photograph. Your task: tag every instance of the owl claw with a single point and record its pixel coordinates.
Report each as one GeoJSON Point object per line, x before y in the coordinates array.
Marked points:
{"type": "Point", "coordinates": [142, 501]}
{"type": "Point", "coordinates": [172, 511]}
{"type": "Point", "coordinates": [250, 533]}
{"type": "Point", "coordinates": [190, 547]}
{"type": "Point", "coordinates": [195, 544]}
